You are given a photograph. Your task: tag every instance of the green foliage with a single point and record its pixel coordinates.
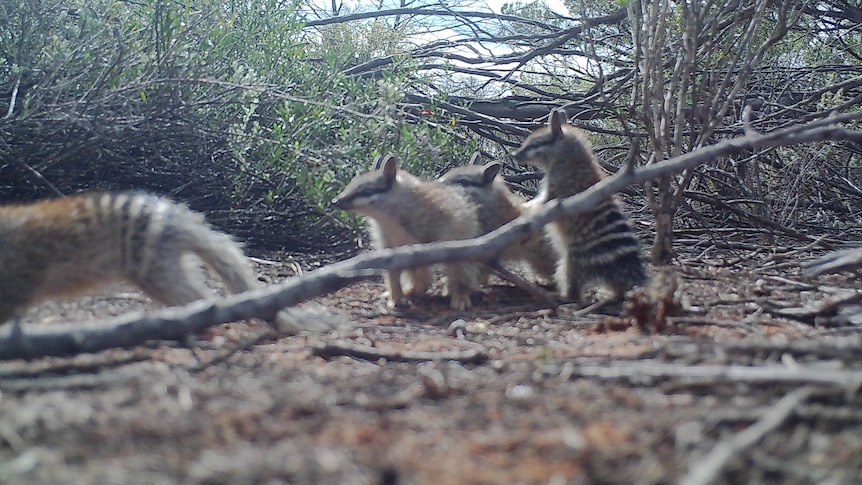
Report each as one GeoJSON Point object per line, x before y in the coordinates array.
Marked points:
{"type": "Point", "coordinates": [320, 147]}
{"type": "Point", "coordinates": [333, 125]}
{"type": "Point", "coordinates": [275, 98]}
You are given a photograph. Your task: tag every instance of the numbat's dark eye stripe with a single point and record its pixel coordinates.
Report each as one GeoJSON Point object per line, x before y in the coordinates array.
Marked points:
{"type": "Point", "coordinates": [468, 183]}
{"type": "Point", "coordinates": [537, 144]}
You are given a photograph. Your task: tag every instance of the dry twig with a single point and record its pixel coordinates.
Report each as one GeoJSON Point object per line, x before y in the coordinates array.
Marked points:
{"type": "Point", "coordinates": [533, 290]}
{"type": "Point", "coordinates": [333, 349]}
{"type": "Point", "coordinates": [639, 372]}
{"type": "Point", "coordinates": [834, 262]}
{"type": "Point", "coordinates": [707, 470]}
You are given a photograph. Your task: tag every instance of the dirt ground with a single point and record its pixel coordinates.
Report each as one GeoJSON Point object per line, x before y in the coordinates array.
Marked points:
{"type": "Point", "coordinates": [725, 391]}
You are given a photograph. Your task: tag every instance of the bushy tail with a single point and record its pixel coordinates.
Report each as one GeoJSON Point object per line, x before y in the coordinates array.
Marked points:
{"type": "Point", "coordinates": [221, 253]}
{"type": "Point", "coordinates": [183, 230]}
{"type": "Point", "coordinates": [225, 256]}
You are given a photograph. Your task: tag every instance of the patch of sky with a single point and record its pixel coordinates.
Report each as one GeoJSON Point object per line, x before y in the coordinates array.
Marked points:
{"type": "Point", "coordinates": [470, 43]}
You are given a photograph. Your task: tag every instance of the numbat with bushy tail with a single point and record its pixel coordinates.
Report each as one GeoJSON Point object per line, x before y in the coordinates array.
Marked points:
{"type": "Point", "coordinates": [402, 210]}
{"type": "Point", "coordinates": [68, 246]}
{"type": "Point", "coordinates": [598, 246]}
{"type": "Point", "coordinates": [497, 206]}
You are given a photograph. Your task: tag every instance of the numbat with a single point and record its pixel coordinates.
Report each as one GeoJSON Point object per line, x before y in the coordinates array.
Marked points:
{"type": "Point", "coordinates": [402, 210]}
{"type": "Point", "coordinates": [67, 246]}
{"type": "Point", "coordinates": [598, 246]}
{"type": "Point", "coordinates": [496, 206]}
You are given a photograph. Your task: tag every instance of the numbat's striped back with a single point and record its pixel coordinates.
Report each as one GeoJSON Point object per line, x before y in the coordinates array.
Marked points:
{"type": "Point", "coordinates": [70, 245]}
{"type": "Point", "coordinates": [596, 246]}
{"type": "Point", "coordinates": [67, 246]}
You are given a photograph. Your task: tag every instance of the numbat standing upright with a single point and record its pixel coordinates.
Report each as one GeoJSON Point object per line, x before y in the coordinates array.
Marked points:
{"type": "Point", "coordinates": [595, 246]}
{"type": "Point", "coordinates": [497, 206]}
{"type": "Point", "coordinates": [402, 210]}
{"type": "Point", "coordinates": [64, 247]}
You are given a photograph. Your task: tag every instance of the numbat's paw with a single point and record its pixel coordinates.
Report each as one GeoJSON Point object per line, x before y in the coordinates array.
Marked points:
{"type": "Point", "coordinates": [402, 302]}
{"type": "Point", "coordinates": [460, 302]}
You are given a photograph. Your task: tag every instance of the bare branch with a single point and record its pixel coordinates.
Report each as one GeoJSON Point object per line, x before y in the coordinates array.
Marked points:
{"type": "Point", "coordinates": [707, 470]}
{"type": "Point", "coordinates": [33, 341]}
{"type": "Point", "coordinates": [423, 11]}
{"type": "Point", "coordinates": [540, 296]}
{"type": "Point", "coordinates": [642, 371]}
{"type": "Point", "coordinates": [333, 349]}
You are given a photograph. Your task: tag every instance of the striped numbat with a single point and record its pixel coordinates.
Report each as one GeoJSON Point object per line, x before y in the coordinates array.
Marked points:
{"type": "Point", "coordinates": [402, 210]}
{"type": "Point", "coordinates": [497, 206]}
{"type": "Point", "coordinates": [68, 246]}
{"type": "Point", "coordinates": [598, 246]}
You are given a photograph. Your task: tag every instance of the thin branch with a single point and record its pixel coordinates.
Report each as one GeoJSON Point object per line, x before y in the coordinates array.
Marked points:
{"type": "Point", "coordinates": [613, 18]}
{"type": "Point", "coordinates": [537, 293]}
{"type": "Point", "coordinates": [13, 97]}
{"type": "Point", "coordinates": [643, 371]}
{"type": "Point", "coordinates": [32, 171]}
{"type": "Point", "coordinates": [333, 349]}
{"type": "Point", "coordinates": [425, 11]}
{"type": "Point", "coordinates": [764, 221]}
{"type": "Point", "coordinates": [707, 470]}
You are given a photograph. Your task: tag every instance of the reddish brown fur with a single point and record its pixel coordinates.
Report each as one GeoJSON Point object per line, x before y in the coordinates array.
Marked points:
{"type": "Point", "coordinates": [68, 246]}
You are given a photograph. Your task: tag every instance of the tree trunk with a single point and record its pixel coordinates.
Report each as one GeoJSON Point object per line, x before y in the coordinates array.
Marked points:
{"type": "Point", "coordinates": [664, 208]}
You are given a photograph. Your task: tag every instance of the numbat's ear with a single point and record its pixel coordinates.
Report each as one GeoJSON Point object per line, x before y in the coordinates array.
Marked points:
{"type": "Point", "coordinates": [557, 119]}
{"type": "Point", "coordinates": [476, 158]}
{"type": "Point", "coordinates": [491, 169]}
{"type": "Point", "coordinates": [378, 162]}
{"type": "Point", "coordinates": [389, 166]}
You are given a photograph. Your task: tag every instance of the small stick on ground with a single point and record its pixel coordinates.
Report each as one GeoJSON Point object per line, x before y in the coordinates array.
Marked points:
{"type": "Point", "coordinates": [334, 349]}
{"type": "Point", "coordinates": [707, 470]}
{"type": "Point", "coordinates": [592, 307]}
{"type": "Point", "coordinates": [244, 344]}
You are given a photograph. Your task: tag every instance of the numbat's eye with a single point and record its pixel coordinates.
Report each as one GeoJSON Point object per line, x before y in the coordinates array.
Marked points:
{"type": "Point", "coordinates": [541, 143]}
{"type": "Point", "coordinates": [367, 192]}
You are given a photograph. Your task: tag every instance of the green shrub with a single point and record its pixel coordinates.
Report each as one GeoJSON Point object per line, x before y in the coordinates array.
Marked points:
{"type": "Point", "coordinates": [214, 102]}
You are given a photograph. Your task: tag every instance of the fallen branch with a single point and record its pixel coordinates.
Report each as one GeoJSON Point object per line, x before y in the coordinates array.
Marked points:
{"type": "Point", "coordinates": [845, 348]}
{"type": "Point", "coordinates": [644, 371]}
{"type": "Point", "coordinates": [333, 349]}
{"type": "Point", "coordinates": [834, 262]}
{"type": "Point", "coordinates": [58, 340]}
{"type": "Point", "coordinates": [707, 470]}
{"type": "Point", "coordinates": [33, 341]}
{"type": "Point", "coordinates": [821, 311]}
{"type": "Point", "coordinates": [78, 382]}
